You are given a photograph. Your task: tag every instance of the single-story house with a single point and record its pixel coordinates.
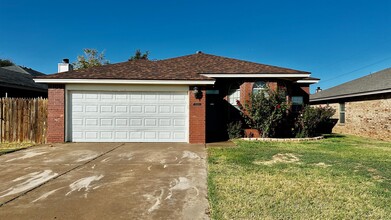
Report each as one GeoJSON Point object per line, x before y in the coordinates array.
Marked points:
{"type": "Point", "coordinates": [17, 81]}
{"type": "Point", "coordinates": [363, 106]}
{"type": "Point", "coordinates": [184, 99]}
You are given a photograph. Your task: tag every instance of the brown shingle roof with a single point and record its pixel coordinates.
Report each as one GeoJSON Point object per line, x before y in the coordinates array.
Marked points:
{"type": "Point", "coordinates": [181, 68]}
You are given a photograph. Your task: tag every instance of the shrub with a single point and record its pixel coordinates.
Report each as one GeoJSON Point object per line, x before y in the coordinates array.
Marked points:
{"type": "Point", "coordinates": [266, 111]}
{"type": "Point", "coordinates": [311, 119]}
{"type": "Point", "coordinates": [235, 130]}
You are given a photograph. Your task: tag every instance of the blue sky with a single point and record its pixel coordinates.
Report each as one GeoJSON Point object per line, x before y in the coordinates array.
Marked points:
{"type": "Point", "coordinates": [328, 38]}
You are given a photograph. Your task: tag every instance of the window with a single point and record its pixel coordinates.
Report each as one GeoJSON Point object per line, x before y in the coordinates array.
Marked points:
{"type": "Point", "coordinates": [297, 103]}
{"type": "Point", "coordinates": [297, 100]}
{"type": "Point", "coordinates": [342, 113]}
{"type": "Point", "coordinates": [260, 86]}
{"type": "Point", "coordinates": [234, 95]}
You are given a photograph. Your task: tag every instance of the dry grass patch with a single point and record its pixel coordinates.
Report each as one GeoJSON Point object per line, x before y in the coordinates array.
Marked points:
{"type": "Point", "coordinates": [280, 158]}
{"type": "Point", "coordinates": [8, 147]}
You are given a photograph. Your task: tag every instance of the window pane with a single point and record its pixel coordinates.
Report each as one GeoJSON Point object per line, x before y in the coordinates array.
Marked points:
{"type": "Point", "coordinates": [259, 86]}
{"type": "Point", "coordinates": [342, 112]}
{"type": "Point", "coordinates": [233, 96]}
{"type": "Point", "coordinates": [342, 117]}
{"type": "Point", "coordinates": [342, 107]}
{"type": "Point", "coordinates": [297, 100]}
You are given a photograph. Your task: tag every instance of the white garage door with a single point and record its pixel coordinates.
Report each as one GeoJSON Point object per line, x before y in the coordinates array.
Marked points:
{"type": "Point", "coordinates": [128, 116]}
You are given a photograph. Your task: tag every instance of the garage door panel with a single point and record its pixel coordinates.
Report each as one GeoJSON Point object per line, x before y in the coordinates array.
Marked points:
{"type": "Point", "coordinates": [134, 122]}
{"type": "Point", "coordinates": [136, 109]}
{"type": "Point", "coordinates": [106, 109]}
{"type": "Point", "coordinates": [178, 122]}
{"type": "Point", "coordinates": [177, 109]}
{"type": "Point", "coordinates": [91, 135]}
{"type": "Point", "coordinates": [121, 97]}
{"type": "Point", "coordinates": [128, 116]}
{"type": "Point", "coordinates": [164, 109]}
{"type": "Point", "coordinates": [164, 122]}
{"type": "Point", "coordinates": [106, 135]}
{"type": "Point", "coordinates": [91, 122]}
{"type": "Point", "coordinates": [148, 109]}
{"type": "Point", "coordinates": [121, 109]}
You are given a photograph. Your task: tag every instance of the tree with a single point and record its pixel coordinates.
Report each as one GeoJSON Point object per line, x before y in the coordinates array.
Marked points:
{"type": "Point", "coordinates": [139, 56]}
{"type": "Point", "coordinates": [4, 63]}
{"type": "Point", "coordinates": [90, 58]}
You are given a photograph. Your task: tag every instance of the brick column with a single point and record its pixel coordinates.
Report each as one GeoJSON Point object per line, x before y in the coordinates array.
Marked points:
{"type": "Point", "coordinates": [197, 118]}
{"type": "Point", "coordinates": [306, 95]}
{"type": "Point", "coordinates": [246, 89]}
{"type": "Point", "coordinates": [306, 89]}
{"type": "Point", "coordinates": [56, 112]}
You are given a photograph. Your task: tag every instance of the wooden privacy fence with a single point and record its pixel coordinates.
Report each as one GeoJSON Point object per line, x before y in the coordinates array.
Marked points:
{"type": "Point", "coordinates": [23, 120]}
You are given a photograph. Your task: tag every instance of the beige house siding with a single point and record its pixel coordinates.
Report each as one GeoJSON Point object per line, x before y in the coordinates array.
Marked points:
{"type": "Point", "coordinates": [368, 117]}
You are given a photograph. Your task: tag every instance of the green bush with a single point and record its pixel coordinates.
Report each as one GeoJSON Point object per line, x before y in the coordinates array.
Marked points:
{"type": "Point", "coordinates": [266, 111]}
{"type": "Point", "coordinates": [311, 120]}
{"type": "Point", "coordinates": [235, 130]}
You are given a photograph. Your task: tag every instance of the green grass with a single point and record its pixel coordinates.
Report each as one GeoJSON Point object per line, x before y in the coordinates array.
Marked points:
{"type": "Point", "coordinates": [335, 178]}
{"type": "Point", "coordinates": [11, 147]}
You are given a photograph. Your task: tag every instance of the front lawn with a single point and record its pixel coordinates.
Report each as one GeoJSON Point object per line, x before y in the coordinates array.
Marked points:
{"type": "Point", "coordinates": [11, 147]}
{"type": "Point", "coordinates": [335, 178]}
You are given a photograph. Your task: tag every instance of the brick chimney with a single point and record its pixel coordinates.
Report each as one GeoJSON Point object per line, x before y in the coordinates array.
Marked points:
{"type": "Point", "coordinates": [65, 66]}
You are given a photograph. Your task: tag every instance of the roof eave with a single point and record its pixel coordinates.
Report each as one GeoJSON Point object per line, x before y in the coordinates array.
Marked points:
{"type": "Point", "coordinates": [124, 81]}
{"type": "Point", "coordinates": [24, 87]}
{"type": "Point", "coordinates": [256, 75]}
{"type": "Point", "coordinates": [307, 81]}
{"type": "Point", "coordinates": [350, 95]}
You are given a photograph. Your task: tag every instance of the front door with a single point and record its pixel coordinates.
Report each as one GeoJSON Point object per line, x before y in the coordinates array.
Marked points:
{"type": "Point", "coordinates": [216, 129]}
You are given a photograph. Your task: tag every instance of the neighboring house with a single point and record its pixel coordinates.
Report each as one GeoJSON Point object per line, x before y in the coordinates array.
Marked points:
{"type": "Point", "coordinates": [363, 105]}
{"type": "Point", "coordinates": [184, 99]}
{"type": "Point", "coordinates": [17, 81]}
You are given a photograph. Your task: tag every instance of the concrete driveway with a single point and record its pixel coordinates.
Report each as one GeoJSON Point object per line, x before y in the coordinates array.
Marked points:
{"type": "Point", "coordinates": [105, 181]}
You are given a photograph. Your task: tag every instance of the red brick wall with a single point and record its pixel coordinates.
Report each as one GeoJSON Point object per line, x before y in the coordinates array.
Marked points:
{"type": "Point", "coordinates": [245, 91]}
{"type": "Point", "coordinates": [272, 85]}
{"type": "Point", "coordinates": [56, 112]}
{"type": "Point", "coordinates": [197, 116]}
{"type": "Point", "coordinates": [306, 89]}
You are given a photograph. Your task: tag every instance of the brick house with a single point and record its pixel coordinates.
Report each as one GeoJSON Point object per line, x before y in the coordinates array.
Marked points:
{"type": "Point", "coordinates": [363, 106]}
{"type": "Point", "coordinates": [184, 99]}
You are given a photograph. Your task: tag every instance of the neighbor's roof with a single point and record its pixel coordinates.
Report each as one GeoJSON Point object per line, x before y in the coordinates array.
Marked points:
{"type": "Point", "coordinates": [376, 83]}
{"type": "Point", "coordinates": [20, 80]}
{"type": "Point", "coordinates": [22, 69]}
{"type": "Point", "coordinates": [190, 67]}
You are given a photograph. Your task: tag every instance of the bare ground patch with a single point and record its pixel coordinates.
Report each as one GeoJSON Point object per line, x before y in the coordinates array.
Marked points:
{"type": "Point", "coordinates": [280, 158]}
